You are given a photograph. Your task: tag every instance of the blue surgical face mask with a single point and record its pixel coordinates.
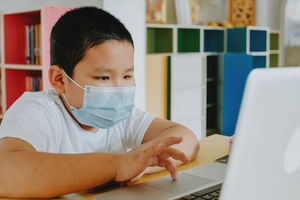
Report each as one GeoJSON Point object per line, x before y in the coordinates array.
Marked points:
{"type": "Point", "coordinates": [103, 107]}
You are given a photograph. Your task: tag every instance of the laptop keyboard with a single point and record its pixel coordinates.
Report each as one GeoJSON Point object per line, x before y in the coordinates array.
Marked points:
{"type": "Point", "coordinates": [211, 193]}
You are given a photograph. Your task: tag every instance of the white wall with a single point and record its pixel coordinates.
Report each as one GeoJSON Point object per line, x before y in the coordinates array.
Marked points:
{"type": "Point", "coordinates": [268, 13]}
{"type": "Point", "coordinates": [212, 10]}
{"type": "Point", "coordinates": [16, 5]}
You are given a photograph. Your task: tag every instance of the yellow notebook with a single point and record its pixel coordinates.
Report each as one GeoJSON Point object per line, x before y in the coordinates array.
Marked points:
{"type": "Point", "coordinates": [211, 148]}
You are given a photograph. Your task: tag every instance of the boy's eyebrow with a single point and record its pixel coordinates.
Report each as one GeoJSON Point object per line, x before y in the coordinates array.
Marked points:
{"type": "Point", "coordinates": [104, 69]}
{"type": "Point", "coordinates": [131, 69]}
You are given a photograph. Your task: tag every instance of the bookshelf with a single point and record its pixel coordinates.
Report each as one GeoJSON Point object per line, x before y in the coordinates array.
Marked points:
{"type": "Point", "coordinates": [17, 73]}
{"type": "Point", "coordinates": [226, 57]}
{"type": "Point", "coordinates": [190, 93]}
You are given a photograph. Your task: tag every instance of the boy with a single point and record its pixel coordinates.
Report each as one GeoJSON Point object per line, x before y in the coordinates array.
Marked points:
{"type": "Point", "coordinates": [87, 131]}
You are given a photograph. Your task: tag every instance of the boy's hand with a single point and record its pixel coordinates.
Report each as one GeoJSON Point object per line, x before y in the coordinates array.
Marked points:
{"type": "Point", "coordinates": [152, 153]}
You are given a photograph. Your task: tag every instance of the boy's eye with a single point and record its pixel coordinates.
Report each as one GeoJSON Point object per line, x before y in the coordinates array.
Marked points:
{"type": "Point", "coordinates": [103, 78]}
{"type": "Point", "coordinates": [127, 77]}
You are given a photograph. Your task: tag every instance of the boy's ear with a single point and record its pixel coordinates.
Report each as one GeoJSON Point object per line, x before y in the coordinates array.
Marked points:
{"type": "Point", "coordinates": [56, 78]}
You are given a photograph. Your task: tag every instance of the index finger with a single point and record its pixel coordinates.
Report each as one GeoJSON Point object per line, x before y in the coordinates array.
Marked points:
{"type": "Point", "coordinates": [169, 141]}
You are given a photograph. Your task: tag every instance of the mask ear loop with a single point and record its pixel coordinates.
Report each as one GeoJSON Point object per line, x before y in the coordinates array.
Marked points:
{"type": "Point", "coordinates": [75, 84]}
{"type": "Point", "coordinates": [66, 100]}
{"type": "Point", "coordinates": [72, 80]}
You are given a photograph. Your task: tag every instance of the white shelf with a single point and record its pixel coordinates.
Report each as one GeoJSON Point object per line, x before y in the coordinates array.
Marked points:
{"type": "Point", "coordinates": [160, 25]}
{"type": "Point", "coordinates": [184, 26]}
{"type": "Point", "coordinates": [274, 51]}
{"type": "Point", "coordinates": [24, 67]}
{"type": "Point", "coordinates": [212, 53]}
{"type": "Point", "coordinates": [160, 54]}
{"type": "Point", "coordinates": [254, 53]}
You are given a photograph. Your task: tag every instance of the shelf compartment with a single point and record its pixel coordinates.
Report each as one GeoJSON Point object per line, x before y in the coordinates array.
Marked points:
{"type": "Point", "coordinates": [236, 40]}
{"type": "Point", "coordinates": [16, 83]}
{"type": "Point", "coordinates": [159, 40]}
{"type": "Point", "coordinates": [212, 92]}
{"type": "Point", "coordinates": [247, 40]}
{"type": "Point", "coordinates": [188, 40]}
{"type": "Point", "coordinates": [259, 61]}
{"type": "Point", "coordinates": [235, 70]}
{"type": "Point", "coordinates": [274, 41]}
{"type": "Point", "coordinates": [258, 40]}
{"type": "Point", "coordinates": [213, 40]}
{"type": "Point", "coordinates": [15, 35]}
{"type": "Point", "coordinates": [274, 60]}
{"type": "Point", "coordinates": [212, 67]}
{"type": "Point", "coordinates": [211, 118]}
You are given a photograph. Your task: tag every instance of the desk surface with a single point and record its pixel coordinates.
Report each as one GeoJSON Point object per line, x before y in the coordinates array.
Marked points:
{"type": "Point", "coordinates": [211, 148]}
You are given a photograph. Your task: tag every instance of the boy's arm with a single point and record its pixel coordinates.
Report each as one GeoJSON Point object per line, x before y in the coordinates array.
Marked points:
{"type": "Point", "coordinates": [26, 173]}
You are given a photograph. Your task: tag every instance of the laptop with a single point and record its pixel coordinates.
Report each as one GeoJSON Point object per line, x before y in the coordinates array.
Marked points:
{"type": "Point", "coordinates": [264, 161]}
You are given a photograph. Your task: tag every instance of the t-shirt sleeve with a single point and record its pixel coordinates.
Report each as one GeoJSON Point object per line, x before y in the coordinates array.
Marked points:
{"type": "Point", "coordinates": [137, 126]}
{"type": "Point", "coordinates": [27, 121]}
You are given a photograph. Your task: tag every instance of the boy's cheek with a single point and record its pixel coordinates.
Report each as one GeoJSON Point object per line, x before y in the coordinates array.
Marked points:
{"type": "Point", "coordinates": [75, 98]}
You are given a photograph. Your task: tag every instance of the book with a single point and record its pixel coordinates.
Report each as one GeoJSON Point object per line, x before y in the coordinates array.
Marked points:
{"type": "Point", "coordinates": [36, 44]}
{"type": "Point", "coordinates": [33, 44]}
{"type": "Point", "coordinates": [28, 84]}
{"type": "Point", "coordinates": [27, 44]}
{"type": "Point", "coordinates": [33, 84]}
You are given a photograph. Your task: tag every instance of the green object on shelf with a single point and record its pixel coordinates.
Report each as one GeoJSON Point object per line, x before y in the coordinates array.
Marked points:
{"type": "Point", "coordinates": [274, 60]}
{"type": "Point", "coordinates": [188, 40]}
{"type": "Point", "coordinates": [274, 41]}
{"type": "Point", "coordinates": [159, 40]}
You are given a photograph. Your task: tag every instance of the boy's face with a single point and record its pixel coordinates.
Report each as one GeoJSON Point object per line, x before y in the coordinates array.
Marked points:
{"type": "Point", "coordinates": [109, 64]}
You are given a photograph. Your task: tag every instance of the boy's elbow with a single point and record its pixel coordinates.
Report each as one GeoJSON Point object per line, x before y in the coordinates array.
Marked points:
{"type": "Point", "coordinates": [195, 151]}
{"type": "Point", "coordinates": [3, 186]}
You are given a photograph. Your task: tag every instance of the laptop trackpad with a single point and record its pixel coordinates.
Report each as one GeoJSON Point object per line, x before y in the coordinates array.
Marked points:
{"type": "Point", "coordinates": [136, 192]}
{"type": "Point", "coordinates": [185, 184]}
{"type": "Point", "coordinates": [213, 171]}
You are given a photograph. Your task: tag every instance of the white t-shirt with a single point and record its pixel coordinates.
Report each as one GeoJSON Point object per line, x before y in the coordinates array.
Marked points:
{"type": "Point", "coordinates": [41, 119]}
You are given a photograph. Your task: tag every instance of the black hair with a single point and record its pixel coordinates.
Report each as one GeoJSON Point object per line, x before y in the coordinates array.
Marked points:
{"type": "Point", "coordinates": [80, 29]}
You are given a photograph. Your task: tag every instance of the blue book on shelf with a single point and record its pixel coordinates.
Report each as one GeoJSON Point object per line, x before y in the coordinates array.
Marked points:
{"type": "Point", "coordinates": [35, 84]}
{"type": "Point", "coordinates": [236, 68]}
{"type": "Point", "coordinates": [30, 43]}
